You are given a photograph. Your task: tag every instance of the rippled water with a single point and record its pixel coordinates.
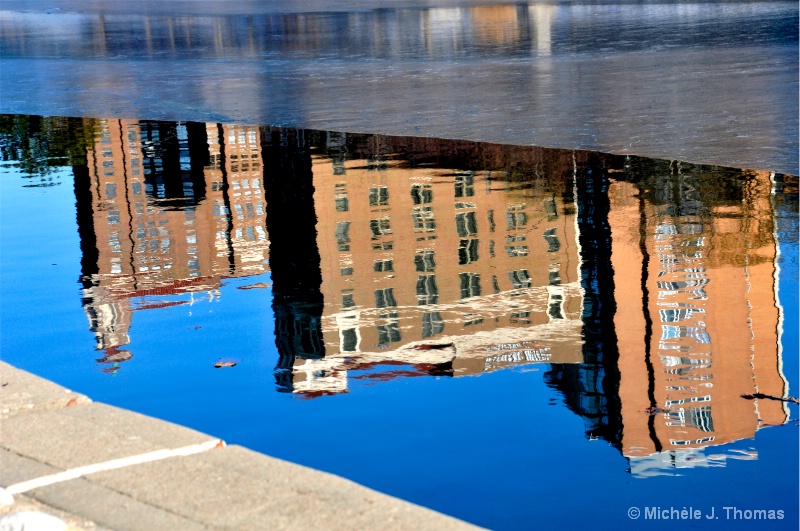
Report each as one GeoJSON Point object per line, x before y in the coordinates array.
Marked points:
{"type": "Point", "coordinates": [508, 335]}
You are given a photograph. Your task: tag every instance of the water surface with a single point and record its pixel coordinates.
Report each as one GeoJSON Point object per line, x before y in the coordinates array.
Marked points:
{"type": "Point", "coordinates": [473, 327]}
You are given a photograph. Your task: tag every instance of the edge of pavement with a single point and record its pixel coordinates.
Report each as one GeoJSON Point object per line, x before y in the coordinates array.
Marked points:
{"type": "Point", "coordinates": [87, 465]}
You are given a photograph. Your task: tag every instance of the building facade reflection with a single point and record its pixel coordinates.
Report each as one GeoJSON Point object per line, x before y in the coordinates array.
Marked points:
{"type": "Point", "coordinates": [446, 268]}
{"type": "Point", "coordinates": [169, 213]}
{"type": "Point", "coordinates": [708, 326]}
{"type": "Point", "coordinates": [647, 286]}
{"type": "Point", "coordinates": [699, 330]}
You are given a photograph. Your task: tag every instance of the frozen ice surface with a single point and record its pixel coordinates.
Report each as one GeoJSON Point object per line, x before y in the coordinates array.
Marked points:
{"type": "Point", "coordinates": [712, 82]}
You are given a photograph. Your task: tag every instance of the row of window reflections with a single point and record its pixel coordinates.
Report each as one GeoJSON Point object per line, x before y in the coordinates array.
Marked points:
{"type": "Point", "coordinates": [421, 194]}
{"type": "Point", "coordinates": [432, 324]}
{"type": "Point", "coordinates": [468, 245]}
{"type": "Point", "coordinates": [428, 293]}
{"type": "Point", "coordinates": [470, 286]}
{"type": "Point", "coordinates": [425, 262]}
{"type": "Point", "coordinates": [466, 223]}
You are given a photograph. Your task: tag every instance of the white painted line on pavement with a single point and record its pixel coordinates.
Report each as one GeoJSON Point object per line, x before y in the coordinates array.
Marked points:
{"type": "Point", "coordinates": [123, 462]}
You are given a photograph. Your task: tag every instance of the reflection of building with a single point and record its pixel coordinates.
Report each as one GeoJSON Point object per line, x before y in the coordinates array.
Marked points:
{"type": "Point", "coordinates": [495, 24]}
{"type": "Point", "coordinates": [437, 31]}
{"type": "Point", "coordinates": [591, 389]}
{"type": "Point", "coordinates": [157, 205]}
{"type": "Point", "coordinates": [294, 259]}
{"type": "Point", "coordinates": [541, 18]}
{"type": "Point", "coordinates": [699, 328]}
{"type": "Point", "coordinates": [440, 269]}
{"type": "Point", "coordinates": [402, 257]}
{"type": "Point", "coordinates": [245, 204]}
{"type": "Point", "coordinates": [708, 329]}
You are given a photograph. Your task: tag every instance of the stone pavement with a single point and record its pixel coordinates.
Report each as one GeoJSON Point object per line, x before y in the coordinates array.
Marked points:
{"type": "Point", "coordinates": [94, 466]}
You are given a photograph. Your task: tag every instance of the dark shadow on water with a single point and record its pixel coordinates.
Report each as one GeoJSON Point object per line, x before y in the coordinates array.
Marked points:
{"type": "Point", "coordinates": [294, 257]}
{"type": "Point", "coordinates": [591, 389]}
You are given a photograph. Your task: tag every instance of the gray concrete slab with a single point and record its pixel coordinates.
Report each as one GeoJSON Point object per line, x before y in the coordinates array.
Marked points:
{"type": "Point", "coordinates": [236, 488]}
{"type": "Point", "coordinates": [15, 468]}
{"type": "Point", "coordinates": [91, 433]}
{"type": "Point", "coordinates": [72, 521]}
{"type": "Point", "coordinates": [21, 391]}
{"type": "Point", "coordinates": [82, 503]}
{"type": "Point", "coordinates": [220, 488]}
{"type": "Point", "coordinates": [109, 508]}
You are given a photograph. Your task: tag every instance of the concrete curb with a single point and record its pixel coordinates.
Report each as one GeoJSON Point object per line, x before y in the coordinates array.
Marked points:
{"type": "Point", "coordinates": [95, 466]}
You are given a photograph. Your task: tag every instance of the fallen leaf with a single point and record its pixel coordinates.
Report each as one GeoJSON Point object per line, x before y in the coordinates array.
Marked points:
{"type": "Point", "coordinates": [433, 346]}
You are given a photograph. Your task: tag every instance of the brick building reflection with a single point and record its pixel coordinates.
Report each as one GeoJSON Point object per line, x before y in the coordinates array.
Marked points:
{"type": "Point", "coordinates": [483, 264]}
{"type": "Point", "coordinates": [165, 212]}
{"type": "Point", "coordinates": [648, 288]}
{"type": "Point", "coordinates": [426, 268]}
{"type": "Point", "coordinates": [699, 330]}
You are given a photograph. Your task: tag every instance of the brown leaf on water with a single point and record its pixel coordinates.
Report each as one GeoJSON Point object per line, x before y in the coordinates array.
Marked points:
{"type": "Point", "coordinates": [433, 346]}
{"type": "Point", "coordinates": [259, 285]}
{"type": "Point", "coordinates": [221, 364]}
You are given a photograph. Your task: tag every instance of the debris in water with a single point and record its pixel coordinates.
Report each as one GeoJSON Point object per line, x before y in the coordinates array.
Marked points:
{"type": "Point", "coordinates": [791, 399]}
{"type": "Point", "coordinates": [432, 346]}
{"type": "Point", "coordinates": [259, 285]}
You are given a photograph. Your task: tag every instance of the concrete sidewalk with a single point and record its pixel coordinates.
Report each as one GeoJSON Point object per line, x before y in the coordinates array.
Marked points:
{"type": "Point", "coordinates": [95, 466]}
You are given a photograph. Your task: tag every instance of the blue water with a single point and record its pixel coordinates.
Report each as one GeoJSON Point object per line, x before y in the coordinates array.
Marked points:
{"type": "Point", "coordinates": [499, 449]}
